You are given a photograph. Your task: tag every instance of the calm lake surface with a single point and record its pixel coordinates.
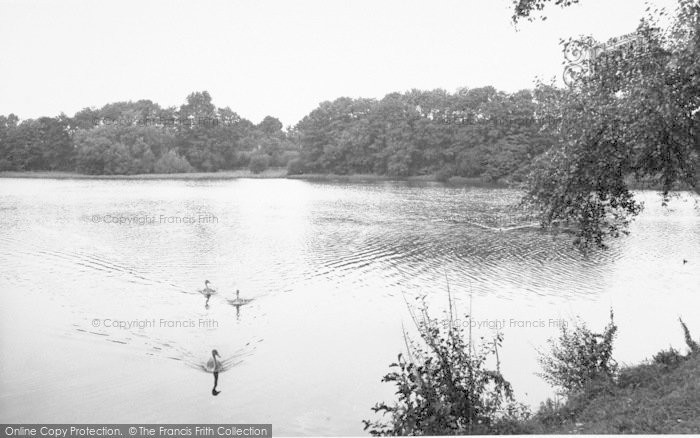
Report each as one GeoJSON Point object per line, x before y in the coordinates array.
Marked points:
{"type": "Point", "coordinates": [328, 266]}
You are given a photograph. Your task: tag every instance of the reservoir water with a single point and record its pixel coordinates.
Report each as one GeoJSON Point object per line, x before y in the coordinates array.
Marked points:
{"type": "Point", "coordinates": [101, 319]}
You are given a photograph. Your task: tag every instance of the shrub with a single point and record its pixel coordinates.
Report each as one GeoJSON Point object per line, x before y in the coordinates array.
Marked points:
{"type": "Point", "coordinates": [5, 164]}
{"type": "Point", "coordinates": [670, 358]}
{"type": "Point", "coordinates": [692, 345]}
{"type": "Point", "coordinates": [172, 162]}
{"type": "Point", "coordinates": [637, 376]}
{"type": "Point", "coordinates": [580, 358]}
{"type": "Point", "coordinates": [283, 159]}
{"type": "Point", "coordinates": [241, 159]}
{"type": "Point", "coordinates": [259, 163]}
{"type": "Point", "coordinates": [552, 413]}
{"type": "Point", "coordinates": [295, 167]}
{"type": "Point", "coordinates": [444, 174]}
{"type": "Point", "coordinates": [444, 387]}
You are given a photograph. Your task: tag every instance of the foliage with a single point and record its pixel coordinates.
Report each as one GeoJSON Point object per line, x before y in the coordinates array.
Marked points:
{"type": "Point", "coordinates": [172, 162]}
{"type": "Point", "coordinates": [553, 412]}
{"type": "Point", "coordinates": [648, 398]}
{"type": "Point", "coordinates": [527, 8]}
{"type": "Point", "coordinates": [661, 396]}
{"type": "Point", "coordinates": [580, 359]}
{"type": "Point", "coordinates": [635, 112]}
{"type": "Point", "coordinates": [259, 163]}
{"type": "Point", "coordinates": [668, 358]}
{"type": "Point", "coordinates": [444, 387]}
{"type": "Point", "coordinates": [43, 143]}
{"type": "Point", "coordinates": [444, 174]}
{"type": "Point", "coordinates": [477, 132]}
{"type": "Point", "coordinates": [295, 167]}
{"type": "Point", "coordinates": [689, 341]}
{"type": "Point", "coordinates": [142, 137]}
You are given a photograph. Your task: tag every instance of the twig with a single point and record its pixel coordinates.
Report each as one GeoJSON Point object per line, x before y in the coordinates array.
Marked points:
{"type": "Point", "coordinates": [449, 297]}
{"type": "Point", "coordinates": [471, 318]}
{"type": "Point", "coordinates": [408, 347]}
{"type": "Point", "coordinates": [495, 349]}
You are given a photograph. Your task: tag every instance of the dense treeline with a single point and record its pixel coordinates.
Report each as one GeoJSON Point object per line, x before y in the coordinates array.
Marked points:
{"type": "Point", "coordinates": [142, 137]}
{"type": "Point", "coordinates": [474, 133]}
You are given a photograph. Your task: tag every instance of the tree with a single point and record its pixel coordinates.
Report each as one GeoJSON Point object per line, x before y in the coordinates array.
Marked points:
{"type": "Point", "coordinates": [526, 8]}
{"type": "Point", "coordinates": [270, 126]}
{"type": "Point", "coordinates": [636, 113]}
{"type": "Point", "coordinates": [172, 162]}
{"type": "Point", "coordinates": [198, 106]}
{"type": "Point", "coordinates": [259, 163]}
{"type": "Point", "coordinates": [7, 127]}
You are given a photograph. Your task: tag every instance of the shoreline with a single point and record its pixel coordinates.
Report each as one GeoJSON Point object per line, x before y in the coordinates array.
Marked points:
{"type": "Point", "coordinates": [234, 174]}
{"type": "Point", "coordinates": [274, 173]}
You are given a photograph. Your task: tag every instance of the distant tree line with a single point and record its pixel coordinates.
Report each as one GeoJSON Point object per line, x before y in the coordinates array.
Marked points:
{"type": "Point", "coordinates": [473, 133]}
{"type": "Point", "coordinates": [477, 132]}
{"type": "Point", "coordinates": [142, 137]}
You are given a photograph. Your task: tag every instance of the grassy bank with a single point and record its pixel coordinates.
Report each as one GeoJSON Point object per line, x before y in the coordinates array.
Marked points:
{"type": "Point", "coordinates": [446, 385]}
{"type": "Point", "coordinates": [647, 398]}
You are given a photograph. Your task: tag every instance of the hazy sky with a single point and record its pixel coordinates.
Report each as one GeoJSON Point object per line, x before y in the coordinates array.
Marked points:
{"type": "Point", "coordinates": [280, 58]}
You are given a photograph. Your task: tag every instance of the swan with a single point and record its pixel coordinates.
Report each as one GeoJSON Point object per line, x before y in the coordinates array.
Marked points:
{"type": "Point", "coordinates": [207, 291]}
{"type": "Point", "coordinates": [216, 364]}
{"type": "Point", "coordinates": [239, 301]}
{"type": "Point", "coordinates": [213, 364]}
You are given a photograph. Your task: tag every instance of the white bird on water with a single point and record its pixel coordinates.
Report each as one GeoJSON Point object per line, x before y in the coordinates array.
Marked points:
{"type": "Point", "coordinates": [213, 364]}
{"type": "Point", "coordinates": [239, 301]}
{"type": "Point", "coordinates": [207, 291]}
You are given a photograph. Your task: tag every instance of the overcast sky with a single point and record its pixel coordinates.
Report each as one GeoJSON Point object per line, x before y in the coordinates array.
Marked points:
{"type": "Point", "coordinates": [280, 58]}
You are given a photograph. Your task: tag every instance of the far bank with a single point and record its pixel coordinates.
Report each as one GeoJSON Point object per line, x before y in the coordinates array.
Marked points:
{"type": "Point", "coordinates": [245, 173]}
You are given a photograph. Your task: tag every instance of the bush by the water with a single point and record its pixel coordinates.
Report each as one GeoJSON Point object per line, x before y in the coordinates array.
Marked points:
{"type": "Point", "coordinates": [444, 175]}
{"type": "Point", "coordinates": [172, 162]}
{"type": "Point", "coordinates": [295, 167]}
{"type": "Point", "coordinates": [259, 163]}
{"type": "Point", "coordinates": [693, 346]}
{"type": "Point", "coordinates": [659, 396]}
{"type": "Point", "coordinates": [445, 387]}
{"type": "Point", "coordinates": [580, 358]}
